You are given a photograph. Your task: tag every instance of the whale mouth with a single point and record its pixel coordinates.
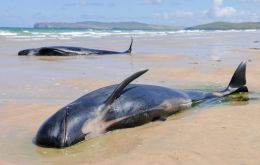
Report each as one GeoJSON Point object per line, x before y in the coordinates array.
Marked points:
{"type": "Point", "coordinates": [65, 127]}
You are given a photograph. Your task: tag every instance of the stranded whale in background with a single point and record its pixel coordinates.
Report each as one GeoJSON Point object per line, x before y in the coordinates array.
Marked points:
{"type": "Point", "coordinates": [122, 106]}
{"type": "Point", "coordinates": [69, 51]}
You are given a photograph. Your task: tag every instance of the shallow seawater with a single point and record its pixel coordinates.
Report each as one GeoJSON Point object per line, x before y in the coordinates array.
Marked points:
{"type": "Point", "coordinates": [33, 88]}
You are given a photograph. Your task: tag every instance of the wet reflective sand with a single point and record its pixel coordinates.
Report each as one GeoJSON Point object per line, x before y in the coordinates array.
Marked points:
{"type": "Point", "coordinates": [33, 88]}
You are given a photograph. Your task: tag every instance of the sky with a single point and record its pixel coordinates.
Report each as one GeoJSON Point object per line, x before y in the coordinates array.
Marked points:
{"type": "Point", "coordinates": [25, 13]}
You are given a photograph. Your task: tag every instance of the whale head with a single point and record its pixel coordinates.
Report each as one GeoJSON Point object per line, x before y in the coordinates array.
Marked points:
{"type": "Point", "coordinates": [61, 130]}
{"type": "Point", "coordinates": [26, 52]}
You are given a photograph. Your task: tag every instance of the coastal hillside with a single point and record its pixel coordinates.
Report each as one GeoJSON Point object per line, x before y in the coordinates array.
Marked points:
{"type": "Point", "coordinates": [226, 26]}
{"type": "Point", "coordinates": [105, 25]}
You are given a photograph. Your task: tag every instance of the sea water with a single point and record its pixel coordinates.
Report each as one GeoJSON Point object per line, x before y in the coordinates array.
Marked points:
{"type": "Point", "coordinates": [17, 33]}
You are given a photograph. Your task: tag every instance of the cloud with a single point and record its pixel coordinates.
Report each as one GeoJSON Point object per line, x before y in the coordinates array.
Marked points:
{"type": "Point", "coordinates": [249, 0]}
{"type": "Point", "coordinates": [173, 15]}
{"type": "Point", "coordinates": [83, 3]}
{"type": "Point", "coordinates": [153, 1]}
{"type": "Point", "coordinates": [217, 10]}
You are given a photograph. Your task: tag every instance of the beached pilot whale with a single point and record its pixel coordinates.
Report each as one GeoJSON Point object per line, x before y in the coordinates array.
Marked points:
{"type": "Point", "coordinates": [122, 106]}
{"type": "Point", "coordinates": [70, 51]}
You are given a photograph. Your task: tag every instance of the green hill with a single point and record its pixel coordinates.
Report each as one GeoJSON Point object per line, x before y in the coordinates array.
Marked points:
{"type": "Point", "coordinates": [226, 26]}
{"type": "Point", "coordinates": [105, 25]}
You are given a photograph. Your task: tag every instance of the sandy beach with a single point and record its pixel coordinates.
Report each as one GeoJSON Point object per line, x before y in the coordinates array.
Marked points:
{"type": "Point", "coordinates": [33, 88]}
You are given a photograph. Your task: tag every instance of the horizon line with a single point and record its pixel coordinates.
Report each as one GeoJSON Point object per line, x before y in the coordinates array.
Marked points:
{"type": "Point", "coordinates": [180, 26]}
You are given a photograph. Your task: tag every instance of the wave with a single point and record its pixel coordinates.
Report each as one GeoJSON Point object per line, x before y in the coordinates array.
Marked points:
{"type": "Point", "coordinates": [7, 33]}
{"type": "Point", "coordinates": [65, 34]}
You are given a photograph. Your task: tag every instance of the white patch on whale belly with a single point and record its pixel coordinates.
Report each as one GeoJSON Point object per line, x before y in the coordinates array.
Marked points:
{"type": "Point", "coordinates": [96, 126]}
{"type": "Point", "coordinates": [186, 105]}
{"type": "Point", "coordinates": [175, 105]}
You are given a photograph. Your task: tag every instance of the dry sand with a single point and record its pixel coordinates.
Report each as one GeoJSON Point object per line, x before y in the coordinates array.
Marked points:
{"type": "Point", "coordinates": [33, 88]}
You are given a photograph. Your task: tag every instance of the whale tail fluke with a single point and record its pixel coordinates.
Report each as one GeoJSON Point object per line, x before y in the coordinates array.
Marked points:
{"type": "Point", "coordinates": [238, 81]}
{"type": "Point", "coordinates": [129, 50]}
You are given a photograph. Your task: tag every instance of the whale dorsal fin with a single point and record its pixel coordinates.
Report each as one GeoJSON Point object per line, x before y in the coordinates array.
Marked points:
{"type": "Point", "coordinates": [129, 50]}
{"type": "Point", "coordinates": [119, 89]}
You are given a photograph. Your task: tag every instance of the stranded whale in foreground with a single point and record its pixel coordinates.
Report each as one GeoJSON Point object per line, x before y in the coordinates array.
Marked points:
{"type": "Point", "coordinates": [69, 51]}
{"type": "Point", "coordinates": [122, 106]}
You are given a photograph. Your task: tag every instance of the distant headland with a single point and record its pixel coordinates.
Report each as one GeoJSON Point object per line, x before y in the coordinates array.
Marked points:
{"type": "Point", "coordinates": [144, 26]}
{"type": "Point", "coordinates": [226, 26]}
{"type": "Point", "coordinates": [106, 25]}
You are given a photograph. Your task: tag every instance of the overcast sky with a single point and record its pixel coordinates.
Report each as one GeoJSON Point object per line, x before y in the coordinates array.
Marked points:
{"type": "Point", "coordinates": [174, 12]}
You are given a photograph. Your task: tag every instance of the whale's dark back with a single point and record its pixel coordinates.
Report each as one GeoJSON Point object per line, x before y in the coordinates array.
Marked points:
{"type": "Point", "coordinates": [135, 99]}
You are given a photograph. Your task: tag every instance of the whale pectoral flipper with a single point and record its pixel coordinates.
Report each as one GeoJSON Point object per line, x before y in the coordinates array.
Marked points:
{"type": "Point", "coordinates": [150, 115]}
{"type": "Point", "coordinates": [159, 118]}
{"type": "Point", "coordinates": [237, 82]}
{"type": "Point", "coordinates": [119, 89]}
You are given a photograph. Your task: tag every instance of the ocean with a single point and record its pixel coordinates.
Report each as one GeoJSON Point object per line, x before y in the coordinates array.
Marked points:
{"type": "Point", "coordinates": [15, 33]}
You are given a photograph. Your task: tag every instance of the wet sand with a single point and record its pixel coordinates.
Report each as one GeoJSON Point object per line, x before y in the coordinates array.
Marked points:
{"type": "Point", "coordinates": [33, 88]}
